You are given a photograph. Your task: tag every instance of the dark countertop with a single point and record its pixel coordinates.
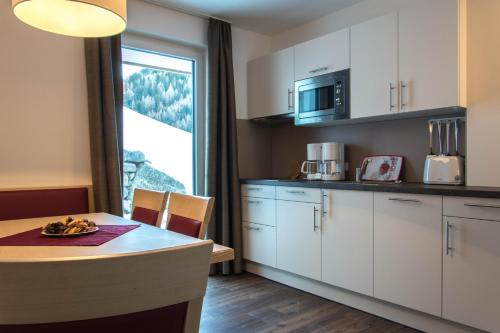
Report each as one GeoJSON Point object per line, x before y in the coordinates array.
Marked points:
{"type": "Point", "coordinates": [412, 188]}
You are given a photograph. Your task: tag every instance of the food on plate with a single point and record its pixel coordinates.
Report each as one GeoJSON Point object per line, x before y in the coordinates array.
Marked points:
{"type": "Point", "coordinates": [68, 225]}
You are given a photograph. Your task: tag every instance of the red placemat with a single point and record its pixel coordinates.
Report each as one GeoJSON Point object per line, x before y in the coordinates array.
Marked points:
{"type": "Point", "coordinates": [35, 238]}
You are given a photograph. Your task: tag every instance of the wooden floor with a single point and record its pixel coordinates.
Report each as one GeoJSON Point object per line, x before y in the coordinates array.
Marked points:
{"type": "Point", "coordinates": [249, 303]}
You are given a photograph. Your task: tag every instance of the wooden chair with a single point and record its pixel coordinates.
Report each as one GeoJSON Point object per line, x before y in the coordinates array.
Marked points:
{"type": "Point", "coordinates": [26, 203]}
{"type": "Point", "coordinates": [155, 292]}
{"type": "Point", "coordinates": [148, 206]}
{"type": "Point", "coordinates": [189, 214]}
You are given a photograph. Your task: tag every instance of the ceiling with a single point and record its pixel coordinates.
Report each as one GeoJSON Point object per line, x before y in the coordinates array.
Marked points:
{"type": "Point", "coordinates": [264, 16]}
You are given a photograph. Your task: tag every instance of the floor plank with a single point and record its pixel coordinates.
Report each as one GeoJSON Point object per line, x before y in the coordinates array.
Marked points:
{"type": "Point", "coordinates": [249, 303]}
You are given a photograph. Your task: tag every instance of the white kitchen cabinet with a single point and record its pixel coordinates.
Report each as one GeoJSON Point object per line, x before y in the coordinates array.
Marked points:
{"type": "Point", "coordinates": [301, 194]}
{"type": "Point", "coordinates": [298, 238]}
{"type": "Point", "coordinates": [407, 250]}
{"type": "Point", "coordinates": [374, 67]}
{"type": "Point", "coordinates": [429, 47]}
{"type": "Point", "coordinates": [271, 84]}
{"type": "Point", "coordinates": [347, 240]}
{"type": "Point", "coordinates": [326, 54]}
{"type": "Point", "coordinates": [471, 272]}
{"type": "Point", "coordinates": [258, 210]}
{"type": "Point", "coordinates": [259, 243]}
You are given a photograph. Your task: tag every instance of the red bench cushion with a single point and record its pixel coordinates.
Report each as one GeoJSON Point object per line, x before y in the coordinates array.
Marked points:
{"type": "Point", "coordinates": [167, 319]}
{"type": "Point", "coordinates": [24, 204]}
{"type": "Point", "coordinates": [184, 225]}
{"type": "Point", "coordinates": [145, 215]}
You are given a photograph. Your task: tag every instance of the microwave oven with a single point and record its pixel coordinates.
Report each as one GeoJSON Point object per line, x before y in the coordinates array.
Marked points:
{"type": "Point", "coordinates": [322, 99]}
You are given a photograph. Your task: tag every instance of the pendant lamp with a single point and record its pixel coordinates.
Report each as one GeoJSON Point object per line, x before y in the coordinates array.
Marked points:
{"type": "Point", "coordinates": [79, 18]}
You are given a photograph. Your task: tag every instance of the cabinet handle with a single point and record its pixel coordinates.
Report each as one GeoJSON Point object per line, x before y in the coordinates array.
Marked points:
{"type": "Point", "coordinates": [253, 228]}
{"type": "Point", "coordinates": [448, 247]}
{"type": "Point", "coordinates": [401, 94]}
{"type": "Point", "coordinates": [295, 192]}
{"type": "Point", "coordinates": [290, 99]}
{"type": "Point", "coordinates": [320, 69]}
{"type": "Point", "coordinates": [405, 200]}
{"type": "Point", "coordinates": [481, 205]}
{"type": "Point", "coordinates": [391, 105]}
{"type": "Point", "coordinates": [254, 188]}
{"type": "Point", "coordinates": [254, 202]}
{"type": "Point", "coordinates": [314, 218]}
{"type": "Point", "coordinates": [323, 203]}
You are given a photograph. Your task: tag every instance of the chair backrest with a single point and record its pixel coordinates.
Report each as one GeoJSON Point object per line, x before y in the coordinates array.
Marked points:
{"type": "Point", "coordinates": [194, 208]}
{"type": "Point", "coordinates": [42, 202]}
{"type": "Point", "coordinates": [157, 291]}
{"type": "Point", "coordinates": [148, 206]}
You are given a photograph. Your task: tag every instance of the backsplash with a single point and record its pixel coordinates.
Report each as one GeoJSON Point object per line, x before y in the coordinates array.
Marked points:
{"type": "Point", "coordinates": [267, 151]}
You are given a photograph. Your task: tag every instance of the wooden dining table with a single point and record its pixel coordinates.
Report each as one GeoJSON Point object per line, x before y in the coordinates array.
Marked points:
{"type": "Point", "coordinates": [143, 239]}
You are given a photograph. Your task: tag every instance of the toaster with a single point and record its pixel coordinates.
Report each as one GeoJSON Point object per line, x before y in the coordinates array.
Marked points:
{"type": "Point", "coordinates": [443, 169]}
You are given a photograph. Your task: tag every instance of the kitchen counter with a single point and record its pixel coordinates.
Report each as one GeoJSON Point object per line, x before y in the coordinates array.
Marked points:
{"type": "Point", "coordinates": [413, 188]}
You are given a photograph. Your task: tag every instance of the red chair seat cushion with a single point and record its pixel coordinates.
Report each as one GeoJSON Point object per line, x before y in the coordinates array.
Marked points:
{"type": "Point", "coordinates": [167, 319]}
{"type": "Point", "coordinates": [184, 225]}
{"type": "Point", "coordinates": [145, 215]}
{"type": "Point", "coordinates": [25, 204]}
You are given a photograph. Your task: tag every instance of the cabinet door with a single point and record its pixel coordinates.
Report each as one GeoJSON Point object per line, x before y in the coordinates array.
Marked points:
{"type": "Point", "coordinates": [326, 54]}
{"type": "Point", "coordinates": [259, 243]}
{"type": "Point", "coordinates": [298, 233]}
{"type": "Point", "coordinates": [429, 55]}
{"type": "Point", "coordinates": [407, 245]}
{"type": "Point", "coordinates": [347, 240]}
{"type": "Point", "coordinates": [374, 67]}
{"type": "Point", "coordinates": [271, 84]}
{"type": "Point", "coordinates": [471, 273]}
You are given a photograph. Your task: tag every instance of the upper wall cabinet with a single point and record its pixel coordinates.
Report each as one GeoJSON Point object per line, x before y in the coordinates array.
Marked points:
{"type": "Point", "coordinates": [374, 67]}
{"type": "Point", "coordinates": [429, 55]}
{"type": "Point", "coordinates": [409, 60]}
{"type": "Point", "coordinates": [326, 54]}
{"type": "Point", "coordinates": [271, 84]}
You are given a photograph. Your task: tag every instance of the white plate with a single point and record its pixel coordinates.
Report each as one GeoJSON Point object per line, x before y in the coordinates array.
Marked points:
{"type": "Point", "coordinates": [71, 235]}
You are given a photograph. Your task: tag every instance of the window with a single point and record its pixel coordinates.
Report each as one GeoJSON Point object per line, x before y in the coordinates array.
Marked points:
{"type": "Point", "coordinates": [160, 122]}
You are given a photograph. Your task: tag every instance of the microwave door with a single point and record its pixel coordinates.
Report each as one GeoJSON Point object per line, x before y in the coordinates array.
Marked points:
{"type": "Point", "coordinates": [315, 99]}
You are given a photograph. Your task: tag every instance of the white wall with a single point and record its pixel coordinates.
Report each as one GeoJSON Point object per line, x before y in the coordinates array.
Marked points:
{"type": "Point", "coordinates": [483, 92]}
{"type": "Point", "coordinates": [43, 107]}
{"type": "Point", "coordinates": [149, 19]}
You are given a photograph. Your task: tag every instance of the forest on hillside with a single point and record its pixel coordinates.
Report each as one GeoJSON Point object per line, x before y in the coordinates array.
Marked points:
{"type": "Point", "coordinates": [163, 95]}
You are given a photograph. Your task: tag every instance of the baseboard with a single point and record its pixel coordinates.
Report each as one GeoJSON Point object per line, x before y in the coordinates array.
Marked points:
{"type": "Point", "coordinates": [405, 316]}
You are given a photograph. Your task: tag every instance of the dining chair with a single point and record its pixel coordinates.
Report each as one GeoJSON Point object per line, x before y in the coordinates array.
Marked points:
{"type": "Point", "coordinates": [189, 214]}
{"type": "Point", "coordinates": [155, 292]}
{"type": "Point", "coordinates": [148, 206]}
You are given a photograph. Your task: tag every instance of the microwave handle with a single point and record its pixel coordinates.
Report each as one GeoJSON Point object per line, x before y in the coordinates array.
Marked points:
{"type": "Point", "coordinates": [290, 99]}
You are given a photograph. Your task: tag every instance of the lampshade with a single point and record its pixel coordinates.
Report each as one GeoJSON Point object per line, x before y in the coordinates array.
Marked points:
{"type": "Point", "coordinates": [79, 18]}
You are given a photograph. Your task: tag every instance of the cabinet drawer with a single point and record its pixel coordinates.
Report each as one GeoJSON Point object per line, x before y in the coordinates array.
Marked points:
{"type": "Point", "coordinates": [298, 194]}
{"type": "Point", "coordinates": [259, 244]}
{"type": "Point", "coordinates": [478, 208]}
{"type": "Point", "coordinates": [258, 191]}
{"type": "Point", "coordinates": [258, 210]}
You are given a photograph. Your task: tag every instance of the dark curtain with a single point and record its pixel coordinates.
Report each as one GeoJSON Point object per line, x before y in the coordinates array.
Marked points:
{"type": "Point", "coordinates": [105, 102]}
{"type": "Point", "coordinates": [222, 180]}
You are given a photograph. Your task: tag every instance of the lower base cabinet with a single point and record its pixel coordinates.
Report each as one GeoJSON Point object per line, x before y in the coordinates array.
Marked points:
{"type": "Point", "coordinates": [407, 250]}
{"type": "Point", "coordinates": [298, 234]}
{"type": "Point", "coordinates": [347, 240]}
{"type": "Point", "coordinates": [259, 243]}
{"type": "Point", "coordinates": [471, 272]}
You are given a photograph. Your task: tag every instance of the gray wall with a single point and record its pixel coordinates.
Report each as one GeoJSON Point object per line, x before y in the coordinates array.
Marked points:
{"type": "Point", "coordinates": [271, 151]}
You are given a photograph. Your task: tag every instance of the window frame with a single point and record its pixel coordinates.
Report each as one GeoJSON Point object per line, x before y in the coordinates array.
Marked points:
{"type": "Point", "coordinates": [199, 56]}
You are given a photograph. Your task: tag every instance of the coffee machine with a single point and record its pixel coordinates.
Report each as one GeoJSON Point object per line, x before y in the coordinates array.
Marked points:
{"type": "Point", "coordinates": [312, 167]}
{"type": "Point", "coordinates": [333, 161]}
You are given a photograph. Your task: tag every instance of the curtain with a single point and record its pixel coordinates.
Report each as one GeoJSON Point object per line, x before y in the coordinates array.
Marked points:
{"type": "Point", "coordinates": [105, 102]}
{"type": "Point", "coordinates": [222, 179]}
